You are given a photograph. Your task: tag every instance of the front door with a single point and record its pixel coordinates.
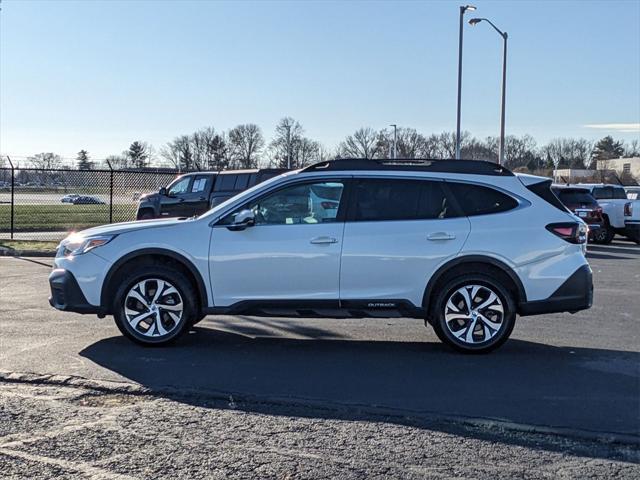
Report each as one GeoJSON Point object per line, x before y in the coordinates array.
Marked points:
{"type": "Point", "coordinates": [291, 253]}
{"type": "Point", "coordinates": [398, 232]}
{"type": "Point", "coordinates": [172, 204]}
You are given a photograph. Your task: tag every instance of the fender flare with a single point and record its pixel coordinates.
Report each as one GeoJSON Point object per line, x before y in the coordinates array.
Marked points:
{"type": "Point", "coordinates": [200, 285]}
{"type": "Point", "coordinates": [458, 261]}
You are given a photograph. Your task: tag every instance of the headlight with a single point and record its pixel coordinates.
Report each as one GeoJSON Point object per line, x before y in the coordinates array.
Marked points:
{"type": "Point", "coordinates": [77, 244]}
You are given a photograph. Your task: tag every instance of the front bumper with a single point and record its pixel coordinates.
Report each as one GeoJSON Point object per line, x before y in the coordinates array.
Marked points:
{"type": "Point", "coordinates": [66, 294]}
{"type": "Point", "coordinates": [575, 294]}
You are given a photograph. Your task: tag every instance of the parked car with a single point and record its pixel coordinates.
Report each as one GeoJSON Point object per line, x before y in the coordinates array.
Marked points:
{"type": "Point", "coordinates": [613, 201]}
{"type": "Point", "coordinates": [69, 198]}
{"type": "Point", "coordinates": [466, 245]}
{"type": "Point", "coordinates": [86, 200]}
{"type": "Point", "coordinates": [584, 205]}
{"type": "Point", "coordinates": [195, 193]}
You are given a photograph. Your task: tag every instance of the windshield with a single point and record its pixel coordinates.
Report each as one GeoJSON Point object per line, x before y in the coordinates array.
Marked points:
{"type": "Point", "coordinates": [245, 194]}
{"type": "Point", "coordinates": [575, 197]}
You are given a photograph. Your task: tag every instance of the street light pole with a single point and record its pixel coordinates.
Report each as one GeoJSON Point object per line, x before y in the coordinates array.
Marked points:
{"type": "Point", "coordinates": [504, 88]}
{"type": "Point", "coordinates": [395, 140]}
{"type": "Point", "coordinates": [288, 127]}
{"type": "Point", "coordinates": [463, 9]}
{"type": "Point", "coordinates": [505, 36]}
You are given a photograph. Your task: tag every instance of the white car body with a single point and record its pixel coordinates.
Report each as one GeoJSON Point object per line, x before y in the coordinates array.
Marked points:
{"type": "Point", "coordinates": [364, 268]}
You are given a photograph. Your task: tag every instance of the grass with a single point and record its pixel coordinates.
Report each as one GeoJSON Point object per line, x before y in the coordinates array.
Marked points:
{"type": "Point", "coordinates": [52, 217]}
{"type": "Point", "coordinates": [29, 245]}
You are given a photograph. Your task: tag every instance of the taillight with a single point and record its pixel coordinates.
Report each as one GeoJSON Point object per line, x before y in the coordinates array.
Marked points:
{"type": "Point", "coordinates": [628, 209]}
{"type": "Point", "coordinates": [598, 212]}
{"type": "Point", "coordinates": [329, 205]}
{"type": "Point", "coordinates": [570, 232]}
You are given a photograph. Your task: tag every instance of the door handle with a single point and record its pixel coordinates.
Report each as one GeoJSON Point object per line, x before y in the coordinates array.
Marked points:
{"type": "Point", "coordinates": [440, 236]}
{"type": "Point", "coordinates": [323, 240]}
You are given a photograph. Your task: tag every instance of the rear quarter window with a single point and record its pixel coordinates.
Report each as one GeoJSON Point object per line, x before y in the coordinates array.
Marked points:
{"type": "Point", "coordinates": [481, 200]}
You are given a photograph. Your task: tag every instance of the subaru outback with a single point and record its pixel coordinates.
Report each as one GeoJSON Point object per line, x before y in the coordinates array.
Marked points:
{"type": "Point", "coordinates": [464, 245]}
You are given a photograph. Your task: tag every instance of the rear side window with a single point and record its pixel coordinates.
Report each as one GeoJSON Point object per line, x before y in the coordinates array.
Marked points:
{"type": "Point", "coordinates": [399, 199]}
{"type": "Point", "coordinates": [226, 182]}
{"type": "Point", "coordinates": [603, 193]}
{"type": "Point", "coordinates": [619, 193]}
{"type": "Point", "coordinates": [479, 200]}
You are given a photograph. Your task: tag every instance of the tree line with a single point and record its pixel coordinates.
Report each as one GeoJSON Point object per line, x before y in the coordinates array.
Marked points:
{"type": "Point", "coordinates": [244, 146]}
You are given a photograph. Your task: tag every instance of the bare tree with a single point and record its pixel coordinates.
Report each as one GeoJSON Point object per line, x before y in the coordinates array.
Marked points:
{"type": "Point", "coordinates": [246, 142]}
{"type": "Point", "coordinates": [45, 160]}
{"type": "Point", "coordinates": [179, 153]}
{"type": "Point", "coordinates": [364, 143]}
{"type": "Point", "coordinates": [285, 143]}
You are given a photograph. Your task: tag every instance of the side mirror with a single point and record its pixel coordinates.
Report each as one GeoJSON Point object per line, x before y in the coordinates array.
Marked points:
{"type": "Point", "coordinates": [162, 191]}
{"type": "Point", "coordinates": [242, 220]}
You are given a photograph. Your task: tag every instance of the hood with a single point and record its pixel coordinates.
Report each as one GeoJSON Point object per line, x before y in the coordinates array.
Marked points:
{"type": "Point", "coordinates": [149, 197]}
{"type": "Point", "coordinates": [118, 228]}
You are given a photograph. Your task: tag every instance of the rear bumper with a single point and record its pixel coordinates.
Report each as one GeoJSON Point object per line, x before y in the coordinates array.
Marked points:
{"type": "Point", "coordinates": [632, 229]}
{"type": "Point", "coordinates": [66, 294]}
{"type": "Point", "coordinates": [575, 294]}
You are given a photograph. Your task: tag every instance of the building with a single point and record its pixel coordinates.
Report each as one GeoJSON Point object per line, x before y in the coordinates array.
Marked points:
{"type": "Point", "coordinates": [573, 175]}
{"type": "Point", "coordinates": [622, 166]}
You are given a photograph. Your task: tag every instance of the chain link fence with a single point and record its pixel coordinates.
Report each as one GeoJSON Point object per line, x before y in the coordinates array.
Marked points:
{"type": "Point", "coordinates": [47, 204]}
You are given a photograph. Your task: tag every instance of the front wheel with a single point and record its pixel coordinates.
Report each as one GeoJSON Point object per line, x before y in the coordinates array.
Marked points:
{"type": "Point", "coordinates": [473, 313]}
{"type": "Point", "coordinates": [154, 305]}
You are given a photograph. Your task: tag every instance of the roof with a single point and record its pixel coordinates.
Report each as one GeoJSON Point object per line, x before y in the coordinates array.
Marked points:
{"type": "Point", "coordinates": [474, 167]}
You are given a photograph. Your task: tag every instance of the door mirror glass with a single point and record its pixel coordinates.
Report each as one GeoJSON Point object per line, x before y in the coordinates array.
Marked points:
{"type": "Point", "coordinates": [162, 191]}
{"type": "Point", "coordinates": [243, 219]}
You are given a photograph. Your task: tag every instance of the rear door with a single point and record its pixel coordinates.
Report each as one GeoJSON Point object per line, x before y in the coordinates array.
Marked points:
{"type": "Point", "coordinates": [398, 232]}
{"type": "Point", "coordinates": [196, 200]}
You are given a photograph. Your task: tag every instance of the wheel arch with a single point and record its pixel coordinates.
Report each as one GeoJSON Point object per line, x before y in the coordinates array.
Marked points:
{"type": "Point", "coordinates": [149, 255]}
{"type": "Point", "coordinates": [460, 263]}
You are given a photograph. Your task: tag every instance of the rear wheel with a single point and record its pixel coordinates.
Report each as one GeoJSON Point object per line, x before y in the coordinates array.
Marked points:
{"type": "Point", "coordinates": [473, 313]}
{"type": "Point", "coordinates": [604, 235]}
{"type": "Point", "coordinates": [154, 305]}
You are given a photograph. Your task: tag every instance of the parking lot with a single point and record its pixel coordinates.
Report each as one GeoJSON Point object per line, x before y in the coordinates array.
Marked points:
{"type": "Point", "coordinates": [316, 398]}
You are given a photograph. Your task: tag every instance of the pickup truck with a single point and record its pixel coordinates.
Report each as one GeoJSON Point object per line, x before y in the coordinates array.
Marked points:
{"type": "Point", "coordinates": [195, 193]}
{"type": "Point", "coordinates": [621, 215]}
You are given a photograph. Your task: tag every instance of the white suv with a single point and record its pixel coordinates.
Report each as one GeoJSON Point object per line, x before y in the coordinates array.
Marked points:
{"type": "Point", "coordinates": [466, 245]}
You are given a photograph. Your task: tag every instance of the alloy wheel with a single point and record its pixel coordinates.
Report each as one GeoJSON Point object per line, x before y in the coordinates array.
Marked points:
{"type": "Point", "coordinates": [474, 314]}
{"type": "Point", "coordinates": [153, 307]}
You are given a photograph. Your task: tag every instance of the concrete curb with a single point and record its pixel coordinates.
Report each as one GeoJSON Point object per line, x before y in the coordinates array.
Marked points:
{"type": "Point", "coordinates": [237, 398]}
{"type": "Point", "coordinates": [10, 252]}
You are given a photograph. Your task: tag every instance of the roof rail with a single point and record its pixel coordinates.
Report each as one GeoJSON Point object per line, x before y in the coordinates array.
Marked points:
{"type": "Point", "coordinates": [476, 167]}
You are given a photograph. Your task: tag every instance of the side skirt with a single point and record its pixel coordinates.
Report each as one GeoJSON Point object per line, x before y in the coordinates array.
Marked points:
{"type": "Point", "coordinates": [378, 308]}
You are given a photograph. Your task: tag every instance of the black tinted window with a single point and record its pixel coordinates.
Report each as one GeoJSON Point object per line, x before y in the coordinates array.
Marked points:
{"type": "Point", "coordinates": [226, 182]}
{"type": "Point", "coordinates": [603, 193]}
{"type": "Point", "coordinates": [478, 200]}
{"type": "Point", "coordinates": [619, 193]}
{"type": "Point", "coordinates": [390, 199]}
{"type": "Point", "coordinates": [575, 196]}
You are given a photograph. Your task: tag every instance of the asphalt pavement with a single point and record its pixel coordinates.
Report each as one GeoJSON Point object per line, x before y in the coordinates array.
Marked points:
{"type": "Point", "coordinates": [574, 375]}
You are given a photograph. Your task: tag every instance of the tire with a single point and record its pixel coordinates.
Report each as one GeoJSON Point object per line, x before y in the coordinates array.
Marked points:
{"type": "Point", "coordinates": [168, 316]}
{"type": "Point", "coordinates": [146, 215]}
{"type": "Point", "coordinates": [604, 235]}
{"type": "Point", "coordinates": [491, 324]}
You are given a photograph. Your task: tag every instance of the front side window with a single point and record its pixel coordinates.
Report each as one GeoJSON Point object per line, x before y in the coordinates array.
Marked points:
{"type": "Point", "coordinates": [180, 186]}
{"type": "Point", "coordinates": [399, 199]}
{"type": "Point", "coordinates": [480, 200]}
{"type": "Point", "coordinates": [199, 184]}
{"type": "Point", "coordinates": [307, 203]}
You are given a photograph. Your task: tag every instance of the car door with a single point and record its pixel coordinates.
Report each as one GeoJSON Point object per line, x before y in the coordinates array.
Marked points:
{"type": "Point", "coordinates": [171, 204]}
{"type": "Point", "coordinates": [196, 200]}
{"type": "Point", "coordinates": [291, 253]}
{"type": "Point", "coordinates": [398, 232]}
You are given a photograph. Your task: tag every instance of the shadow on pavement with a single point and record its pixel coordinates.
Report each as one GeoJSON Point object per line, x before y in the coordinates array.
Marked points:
{"type": "Point", "coordinates": [524, 382]}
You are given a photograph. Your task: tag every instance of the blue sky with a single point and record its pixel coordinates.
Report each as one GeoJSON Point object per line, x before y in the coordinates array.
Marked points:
{"type": "Point", "coordinates": [100, 74]}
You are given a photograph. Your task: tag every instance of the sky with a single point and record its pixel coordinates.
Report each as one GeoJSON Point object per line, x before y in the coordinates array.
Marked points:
{"type": "Point", "coordinates": [97, 75]}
